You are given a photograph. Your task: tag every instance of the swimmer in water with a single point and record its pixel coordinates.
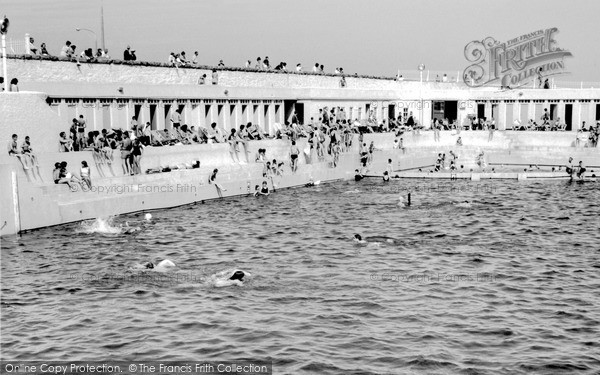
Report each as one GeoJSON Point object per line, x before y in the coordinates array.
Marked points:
{"type": "Point", "coordinates": [464, 204]}
{"type": "Point", "coordinates": [264, 190]}
{"type": "Point", "coordinates": [358, 239]}
{"type": "Point", "coordinates": [373, 241]}
{"type": "Point", "coordinates": [163, 265]}
{"type": "Point", "coordinates": [386, 177]}
{"type": "Point", "coordinates": [402, 202]}
{"type": "Point", "coordinates": [229, 278]}
{"type": "Point", "coordinates": [129, 230]}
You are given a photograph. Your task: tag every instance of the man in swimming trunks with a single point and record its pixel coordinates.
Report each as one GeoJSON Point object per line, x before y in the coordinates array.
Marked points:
{"type": "Point", "coordinates": [294, 152]}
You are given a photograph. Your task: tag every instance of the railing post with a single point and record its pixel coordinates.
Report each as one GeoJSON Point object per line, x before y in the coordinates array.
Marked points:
{"type": "Point", "coordinates": [27, 50]}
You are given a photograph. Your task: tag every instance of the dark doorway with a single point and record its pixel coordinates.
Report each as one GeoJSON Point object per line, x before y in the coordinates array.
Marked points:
{"type": "Point", "coordinates": [598, 112]}
{"type": "Point", "coordinates": [569, 116]}
{"type": "Point", "coordinates": [153, 120]}
{"type": "Point", "coordinates": [182, 113]}
{"type": "Point", "coordinates": [451, 110]}
{"type": "Point", "coordinates": [168, 123]}
{"type": "Point", "coordinates": [289, 106]}
{"type": "Point", "coordinates": [437, 110]}
{"type": "Point", "coordinates": [300, 112]}
{"type": "Point", "coordinates": [391, 111]}
{"type": "Point", "coordinates": [480, 110]}
{"type": "Point", "coordinates": [207, 119]}
{"type": "Point", "coordinates": [553, 111]}
{"type": "Point", "coordinates": [137, 108]}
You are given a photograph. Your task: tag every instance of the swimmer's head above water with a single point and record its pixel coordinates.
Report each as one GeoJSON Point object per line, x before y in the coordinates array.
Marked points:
{"type": "Point", "coordinates": [237, 275]}
{"type": "Point", "coordinates": [357, 237]}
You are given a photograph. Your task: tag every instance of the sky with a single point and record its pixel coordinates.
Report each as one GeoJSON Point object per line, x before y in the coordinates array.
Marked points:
{"type": "Point", "coordinates": [376, 37]}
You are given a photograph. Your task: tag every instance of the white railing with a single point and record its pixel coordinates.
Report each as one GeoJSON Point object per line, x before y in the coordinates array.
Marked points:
{"type": "Point", "coordinates": [575, 85]}
{"type": "Point", "coordinates": [431, 75]}
{"type": "Point", "coordinates": [16, 47]}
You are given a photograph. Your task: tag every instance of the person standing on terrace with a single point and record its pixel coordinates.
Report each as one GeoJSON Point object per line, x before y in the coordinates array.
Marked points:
{"type": "Point", "coordinates": [294, 152]}
{"type": "Point", "coordinates": [242, 137]}
{"type": "Point", "coordinates": [316, 68]}
{"type": "Point", "coordinates": [195, 58]}
{"type": "Point", "coordinates": [266, 63]}
{"type": "Point", "coordinates": [175, 118]}
{"type": "Point", "coordinates": [81, 133]}
{"type": "Point", "coordinates": [298, 67]}
{"type": "Point", "coordinates": [259, 65]}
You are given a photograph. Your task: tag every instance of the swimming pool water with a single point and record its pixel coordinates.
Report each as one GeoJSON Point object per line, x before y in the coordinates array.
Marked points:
{"type": "Point", "coordinates": [504, 283]}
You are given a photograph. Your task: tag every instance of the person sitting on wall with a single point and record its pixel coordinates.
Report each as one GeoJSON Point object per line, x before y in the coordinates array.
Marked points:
{"type": "Point", "coordinates": [253, 132]}
{"type": "Point", "coordinates": [127, 54]}
{"type": "Point", "coordinates": [27, 152]}
{"type": "Point", "coordinates": [13, 150]}
{"type": "Point", "coordinates": [202, 79]}
{"type": "Point", "coordinates": [215, 77]}
{"type": "Point", "coordinates": [66, 177]}
{"type": "Point", "coordinates": [65, 144]}
{"type": "Point", "coordinates": [214, 134]}
{"type": "Point", "coordinates": [260, 156]}
{"type": "Point", "coordinates": [66, 50]}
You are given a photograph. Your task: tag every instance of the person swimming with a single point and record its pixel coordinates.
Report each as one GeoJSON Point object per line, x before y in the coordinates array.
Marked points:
{"type": "Point", "coordinates": [358, 239]}
{"type": "Point", "coordinates": [161, 266]}
{"type": "Point", "coordinates": [464, 204]}
{"type": "Point", "coordinates": [228, 278]}
{"type": "Point", "coordinates": [404, 202]}
{"type": "Point", "coordinates": [372, 241]}
{"type": "Point", "coordinates": [238, 275]}
{"type": "Point", "coordinates": [129, 230]}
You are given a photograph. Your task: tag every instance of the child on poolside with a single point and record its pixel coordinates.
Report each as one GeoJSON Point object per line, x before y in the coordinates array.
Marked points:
{"type": "Point", "coordinates": [66, 177]}
{"type": "Point", "coordinates": [264, 190]}
{"type": "Point", "coordinates": [85, 174]}
{"type": "Point", "coordinates": [260, 156]}
{"type": "Point", "coordinates": [13, 150]}
{"type": "Point", "coordinates": [28, 152]}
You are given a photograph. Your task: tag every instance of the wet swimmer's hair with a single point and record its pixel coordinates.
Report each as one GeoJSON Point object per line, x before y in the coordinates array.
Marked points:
{"type": "Point", "coordinates": [358, 237]}
{"type": "Point", "coordinates": [149, 265]}
{"type": "Point", "coordinates": [237, 275]}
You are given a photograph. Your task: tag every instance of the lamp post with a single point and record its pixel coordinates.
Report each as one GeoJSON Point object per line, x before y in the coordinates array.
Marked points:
{"type": "Point", "coordinates": [3, 31]}
{"type": "Point", "coordinates": [95, 37]}
{"type": "Point", "coordinates": [421, 69]}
